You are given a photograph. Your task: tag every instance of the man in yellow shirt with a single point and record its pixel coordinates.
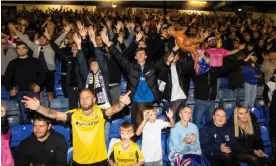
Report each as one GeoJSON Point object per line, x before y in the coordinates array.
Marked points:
{"type": "Point", "coordinates": [89, 147]}
{"type": "Point", "coordinates": [126, 152]}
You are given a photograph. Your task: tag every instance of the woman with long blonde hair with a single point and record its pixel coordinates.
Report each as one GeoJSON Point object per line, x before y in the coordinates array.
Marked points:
{"type": "Point", "coordinates": [248, 144]}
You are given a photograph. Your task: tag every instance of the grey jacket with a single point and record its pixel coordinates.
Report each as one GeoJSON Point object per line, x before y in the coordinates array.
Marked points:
{"type": "Point", "coordinates": [48, 51]}
{"type": "Point", "coordinates": [6, 58]}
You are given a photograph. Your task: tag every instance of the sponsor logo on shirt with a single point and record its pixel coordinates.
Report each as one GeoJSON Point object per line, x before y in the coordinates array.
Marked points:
{"type": "Point", "coordinates": [85, 124]}
{"type": "Point", "coordinates": [227, 138]}
{"type": "Point", "coordinates": [125, 160]}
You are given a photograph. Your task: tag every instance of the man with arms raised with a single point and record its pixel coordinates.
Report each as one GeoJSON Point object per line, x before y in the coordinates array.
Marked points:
{"type": "Point", "coordinates": [87, 124]}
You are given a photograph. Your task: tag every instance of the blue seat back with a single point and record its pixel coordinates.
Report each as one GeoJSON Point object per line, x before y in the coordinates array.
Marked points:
{"type": "Point", "coordinates": [13, 112]}
{"type": "Point", "coordinates": [69, 154]}
{"type": "Point", "coordinates": [229, 112]}
{"type": "Point", "coordinates": [4, 93]}
{"type": "Point", "coordinates": [114, 130]}
{"type": "Point", "coordinates": [65, 131]}
{"type": "Point", "coordinates": [226, 93]}
{"type": "Point", "coordinates": [60, 104]}
{"type": "Point", "coordinates": [19, 133]}
{"type": "Point", "coordinates": [257, 112]}
{"type": "Point", "coordinates": [264, 133]}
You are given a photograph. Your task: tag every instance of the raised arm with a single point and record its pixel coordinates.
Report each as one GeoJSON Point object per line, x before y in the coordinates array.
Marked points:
{"type": "Point", "coordinates": [64, 34]}
{"type": "Point", "coordinates": [24, 38]}
{"type": "Point", "coordinates": [34, 104]}
{"type": "Point", "coordinates": [117, 107]}
{"type": "Point", "coordinates": [80, 58]}
{"type": "Point", "coordinates": [123, 61]}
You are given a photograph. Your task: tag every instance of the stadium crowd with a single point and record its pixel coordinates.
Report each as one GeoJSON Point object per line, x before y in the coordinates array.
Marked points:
{"type": "Point", "coordinates": [98, 48]}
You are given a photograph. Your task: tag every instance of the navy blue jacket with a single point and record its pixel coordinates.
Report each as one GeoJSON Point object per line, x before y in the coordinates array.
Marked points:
{"type": "Point", "coordinates": [211, 137]}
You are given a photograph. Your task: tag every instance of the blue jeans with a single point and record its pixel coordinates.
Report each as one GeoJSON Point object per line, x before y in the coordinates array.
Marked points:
{"type": "Point", "coordinates": [250, 94]}
{"type": "Point", "coordinates": [203, 107]}
{"type": "Point", "coordinates": [175, 106]}
{"type": "Point", "coordinates": [24, 112]}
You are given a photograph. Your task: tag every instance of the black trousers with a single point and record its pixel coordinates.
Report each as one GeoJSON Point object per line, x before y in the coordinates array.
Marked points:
{"type": "Point", "coordinates": [63, 85]}
{"type": "Point", "coordinates": [101, 163]}
{"type": "Point", "coordinates": [251, 159]}
{"type": "Point", "coordinates": [222, 160]}
{"type": "Point", "coordinates": [73, 97]}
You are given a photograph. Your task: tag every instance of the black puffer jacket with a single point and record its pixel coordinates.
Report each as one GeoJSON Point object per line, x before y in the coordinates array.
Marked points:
{"type": "Point", "coordinates": [133, 70]}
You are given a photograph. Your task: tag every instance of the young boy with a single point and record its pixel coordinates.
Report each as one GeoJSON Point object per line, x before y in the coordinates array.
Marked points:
{"type": "Point", "coordinates": [126, 152]}
{"type": "Point", "coordinates": [151, 140]}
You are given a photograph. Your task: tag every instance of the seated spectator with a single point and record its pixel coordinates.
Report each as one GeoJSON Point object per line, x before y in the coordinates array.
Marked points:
{"type": "Point", "coordinates": [216, 140]}
{"type": "Point", "coordinates": [184, 141]}
{"type": "Point", "coordinates": [248, 145]}
{"type": "Point", "coordinates": [151, 139]}
{"type": "Point", "coordinates": [6, 155]}
{"type": "Point", "coordinates": [121, 151]}
{"type": "Point", "coordinates": [8, 53]}
{"type": "Point", "coordinates": [142, 77]}
{"type": "Point", "coordinates": [252, 76]}
{"type": "Point", "coordinates": [16, 81]}
{"type": "Point", "coordinates": [87, 126]}
{"type": "Point", "coordinates": [269, 88]}
{"type": "Point", "coordinates": [43, 147]}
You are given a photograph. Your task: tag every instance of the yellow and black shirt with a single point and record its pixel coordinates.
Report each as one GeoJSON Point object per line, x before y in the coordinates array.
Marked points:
{"type": "Point", "coordinates": [88, 136]}
{"type": "Point", "coordinates": [128, 156]}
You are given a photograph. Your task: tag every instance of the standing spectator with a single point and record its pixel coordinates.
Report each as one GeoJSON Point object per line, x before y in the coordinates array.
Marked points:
{"type": "Point", "coordinates": [246, 129]}
{"type": "Point", "coordinates": [121, 151]}
{"type": "Point", "coordinates": [252, 75]}
{"type": "Point", "coordinates": [48, 147]}
{"type": "Point", "coordinates": [216, 140]}
{"type": "Point", "coordinates": [96, 79]}
{"type": "Point", "coordinates": [174, 90]}
{"type": "Point", "coordinates": [142, 79]}
{"type": "Point", "coordinates": [16, 81]}
{"type": "Point", "coordinates": [184, 141]}
{"type": "Point", "coordinates": [206, 90]}
{"type": "Point", "coordinates": [8, 53]}
{"type": "Point", "coordinates": [87, 126]}
{"type": "Point", "coordinates": [151, 139]}
{"type": "Point", "coordinates": [74, 82]}
{"type": "Point", "coordinates": [46, 56]}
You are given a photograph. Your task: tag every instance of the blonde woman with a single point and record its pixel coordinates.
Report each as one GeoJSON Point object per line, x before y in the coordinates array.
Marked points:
{"type": "Point", "coordinates": [248, 145]}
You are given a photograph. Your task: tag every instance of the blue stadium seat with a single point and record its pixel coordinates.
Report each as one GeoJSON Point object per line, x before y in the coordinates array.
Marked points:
{"type": "Point", "coordinates": [69, 154]}
{"type": "Point", "coordinates": [61, 104]}
{"type": "Point", "coordinates": [5, 95]}
{"type": "Point", "coordinates": [159, 110]}
{"type": "Point", "coordinates": [123, 86]}
{"type": "Point", "coordinates": [114, 130]}
{"type": "Point", "coordinates": [229, 112]}
{"type": "Point", "coordinates": [19, 133]}
{"type": "Point", "coordinates": [192, 84]}
{"type": "Point", "coordinates": [240, 94]}
{"type": "Point", "coordinates": [227, 98]}
{"type": "Point", "coordinates": [265, 111]}
{"type": "Point", "coordinates": [258, 114]}
{"type": "Point", "coordinates": [13, 112]}
{"type": "Point", "coordinates": [58, 90]}
{"type": "Point", "coordinates": [224, 82]}
{"type": "Point", "coordinates": [65, 131]}
{"type": "Point", "coordinates": [58, 66]}
{"type": "Point", "coordinates": [57, 77]}
{"type": "Point", "coordinates": [139, 142]}
{"type": "Point", "coordinates": [266, 141]}
{"type": "Point", "coordinates": [203, 121]}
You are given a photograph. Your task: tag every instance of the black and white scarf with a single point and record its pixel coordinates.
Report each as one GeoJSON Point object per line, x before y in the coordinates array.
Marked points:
{"type": "Point", "coordinates": [95, 82]}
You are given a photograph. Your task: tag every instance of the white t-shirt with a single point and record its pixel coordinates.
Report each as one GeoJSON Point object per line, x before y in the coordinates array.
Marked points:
{"type": "Point", "coordinates": [151, 140]}
{"type": "Point", "coordinates": [177, 92]}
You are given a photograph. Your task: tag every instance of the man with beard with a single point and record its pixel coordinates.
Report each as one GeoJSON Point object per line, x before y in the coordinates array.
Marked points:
{"type": "Point", "coordinates": [89, 146]}
{"type": "Point", "coordinates": [43, 147]}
